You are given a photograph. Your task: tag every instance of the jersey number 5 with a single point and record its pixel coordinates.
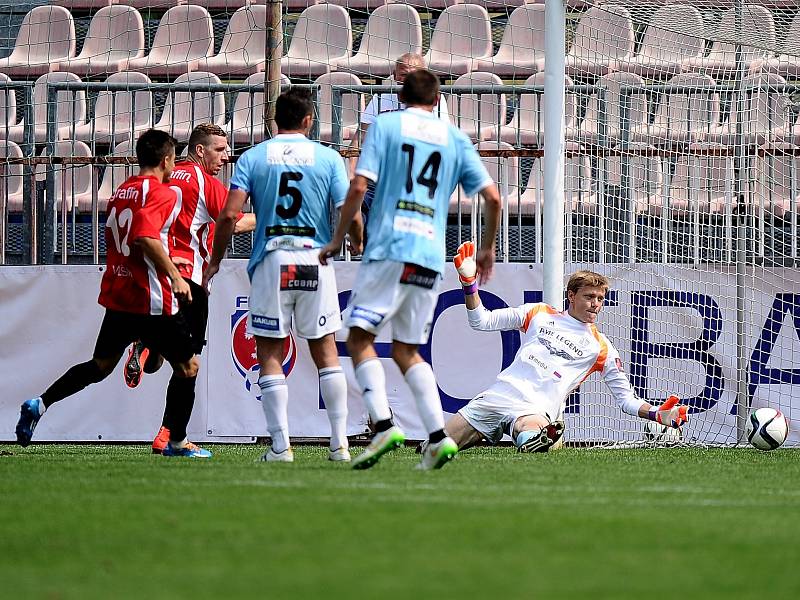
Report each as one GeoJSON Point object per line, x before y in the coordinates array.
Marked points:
{"type": "Point", "coordinates": [120, 224]}
{"type": "Point", "coordinates": [291, 211]}
{"type": "Point", "coordinates": [427, 175]}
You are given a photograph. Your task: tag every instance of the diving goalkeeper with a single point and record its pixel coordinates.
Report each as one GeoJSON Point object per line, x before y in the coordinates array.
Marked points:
{"type": "Point", "coordinates": [558, 351]}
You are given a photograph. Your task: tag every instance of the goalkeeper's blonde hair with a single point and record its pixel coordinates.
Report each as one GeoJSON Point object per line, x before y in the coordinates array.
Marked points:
{"type": "Point", "coordinates": [581, 279]}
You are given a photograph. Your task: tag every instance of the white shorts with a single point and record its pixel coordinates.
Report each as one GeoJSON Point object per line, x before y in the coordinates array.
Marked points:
{"type": "Point", "coordinates": [292, 282]}
{"type": "Point", "coordinates": [387, 290]}
{"type": "Point", "coordinates": [494, 414]}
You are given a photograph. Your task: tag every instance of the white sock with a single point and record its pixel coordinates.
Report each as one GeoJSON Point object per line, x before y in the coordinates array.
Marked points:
{"type": "Point", "coordinates": [371, 379]}
{"type": "Point", "coordinates": [426, 394]}
{"type": "Point", "coordinates": [275, 402]}
{"type": "Point", "coordinates": [42, 407]}
{"type": "Point", "coordinates": [333, 388]}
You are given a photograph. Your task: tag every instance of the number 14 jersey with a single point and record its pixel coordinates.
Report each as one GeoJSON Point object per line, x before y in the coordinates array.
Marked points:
{"type": "Point", "coordinates": [293, 184]}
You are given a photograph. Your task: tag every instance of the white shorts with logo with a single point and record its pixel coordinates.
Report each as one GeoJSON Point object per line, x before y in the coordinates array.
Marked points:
{"type": "Point", "coordinates": [292, 282]}
{"type": "Point", "coordinates": [387, 290]}
{"type": "Point", "coordinates": [493, 414]}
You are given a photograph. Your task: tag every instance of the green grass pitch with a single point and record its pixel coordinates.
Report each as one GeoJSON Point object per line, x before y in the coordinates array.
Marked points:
{"type": "Point", "coordinates": [117, 522]}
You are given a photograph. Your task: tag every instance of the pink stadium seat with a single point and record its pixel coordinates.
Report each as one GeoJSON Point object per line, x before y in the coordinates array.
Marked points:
{"type": "Point", "coordinates": [10, 178]}
{"type": "Point", "coordinates": [116, 35]}
{"type": "Point", "coordinates": [588, 130]}
{"type": "Point", "coordinates": [352, 105]}
{"type": "Point", "coordinates": [119, 116]}
{"type": "Point", "coordinates": [462, 35]}
{"type": "Point", "coordinates": [73, 183]}
{"type": "Point", "coordinates": [757, 34]}
{"type": "Point", "coordinates": [392, 30]}
{"type": "Point", "coordinates": [8, 108]}
{"type": "Point", "coordinates": [46, 36]}
{"type": "Point", "coordinates": [70, 112]}
{"type": "Point", "coordinates": [113, 176]}
{"type": "Point", "coordinates": [242, 49]}
{"type": "Point", "coordinates": [645, 176]}
{"type": "Point", "coordinates": [83, 4]}
{"type": "Point", "coordinates": [683, 118]}
{"type": "Point", "coordinates": [527, 124]}
{"type": "Point", "coordinates": [578, 193]}
{"type": "Point", "coordinates": [322, 35]}
{"type": "Point", "coordinates": [701, 184]}
{"type": "Point", "coordinates": [294, 5]}
{"type": "Point", "coordinates": [521, 51]}
{"type": "Point", "coordinates": [246, 125]}
{"type": "Point", "coordinates": [360, 4]}
{"type": "Point", "coordinates": [771, 193]}
{"type": "Point", "coordinates": [674, 34]}
{"type": "Point", "coordinates": [788, 62]}
{"type": "Point", "coordinates": [184, 36]}
{"type": "Point", "coordinates": [503, 170]}
{"type": "Point", "coordinates": [479, 116]}
{"type": "Point", "coordinates": [184, 110]}
{"type": "Point", "coordinates": [603, 39]}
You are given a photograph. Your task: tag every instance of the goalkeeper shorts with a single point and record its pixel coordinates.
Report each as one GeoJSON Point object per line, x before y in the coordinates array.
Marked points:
{"type": "Point", "coordinates": [493, 414]}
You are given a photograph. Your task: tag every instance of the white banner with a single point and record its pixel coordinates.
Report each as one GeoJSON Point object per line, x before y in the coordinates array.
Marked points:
{"type": "Point", "coordinates": [675, 328]}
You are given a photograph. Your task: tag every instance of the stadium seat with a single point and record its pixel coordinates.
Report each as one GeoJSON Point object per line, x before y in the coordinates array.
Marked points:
{"type": "Point", "coordinates": [771, 191]}
{"type": "Point", "coordinates": [185, 34]}
{"type": "Point", "coordinates": [153, 5]}
{"type": "Point", "coordinates": [366, 5]}
{"type": "Point", "coordinates": [72, 183]}
{"type": "Point", "coordinates": [242, 49]}
{"type": "Point", "coordinates": [588, 130]}
{"type": "Point", "coordinates": [603, 40]}
{"type": "Point", "coordinates": [83, 5]}
{"type": "Point", "coordinates": [352, 105]}
{"type": "Point", "coordinates": [246, 126]}
{"type": "Point", "coordinates": [322, 35]}
{"type": "Point", "coordinates": [8, 108]}
{"type": "Point", "coordinates": [766, 113]}
{"type": "Point", "coordinates": [119, 115]}
{"type": "Point", "coordinates": [392, 30]}
{"type": "Point", "coordinates": [461, 35]}
{"type": "Point", "coordinates": [757, 36]}
{"type": "Point", "coordinates": [115, 35]}
{"type": "Point", "coordinates": [527, 124]}
{"type": "Point", "coordinates": [674, 33]}
{"type": "Point", "coordinates": [503, 170]}
{"type": "Point", "coordinates": [645, 175]}
{"type": "Point", "coordinates": [684, 118]}
{"type": "Point", "coordinates": [479, 116]}
{"type": "Point", "coordinates": [113, 176]}
{"type": "Point", "coordinates": [578, 193]}
{"type": "Point", "coordinates": [293, 5]}
{"type": "Point", "coordinates": [70, 110]}
{"type": "Point", "coordinates": [700, 184]}
{"type": "Point", "coordinates": [521, 51]}
{"type": "Point", "coordinates": [787, 63]}
{"type": "Point", "coordinates": [184, 110]}
{"type": "Point", "coordinates": [46, 37]}
{"type": "Point", "coordinates": [10, 177]}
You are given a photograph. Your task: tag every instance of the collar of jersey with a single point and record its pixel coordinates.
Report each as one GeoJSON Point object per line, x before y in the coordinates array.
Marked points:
{"type": "Point", "coordinates": [420, 111]}
{"type": "Point", "coordinates": [289, 136]}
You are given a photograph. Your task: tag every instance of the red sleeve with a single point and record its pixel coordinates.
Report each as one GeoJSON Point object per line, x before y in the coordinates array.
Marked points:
{"type": "Point", "coordinates": [150, 220]}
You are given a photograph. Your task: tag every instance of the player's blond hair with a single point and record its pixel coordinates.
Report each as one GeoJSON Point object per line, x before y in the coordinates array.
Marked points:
{"type": "Point", "coordinates": [581, 279]}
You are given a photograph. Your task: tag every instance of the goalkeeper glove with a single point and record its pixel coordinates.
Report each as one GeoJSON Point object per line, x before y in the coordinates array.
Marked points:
{"type": "Point", "coordinates": [670, 413]}
{"type": "Point", "coordinates": [467, 268]}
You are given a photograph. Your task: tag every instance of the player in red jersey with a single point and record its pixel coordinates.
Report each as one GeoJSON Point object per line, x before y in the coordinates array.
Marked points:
{"type": "Point", "coordinates": [141, 290]}
{"type": "Point", "coordinates": [201, 196]}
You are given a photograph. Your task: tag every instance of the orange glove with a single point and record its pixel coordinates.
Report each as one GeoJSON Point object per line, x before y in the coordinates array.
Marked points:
{"type": "Point", "coordinates": [670, 413]}
{"type": "Point", "coordinates": [464, 260]}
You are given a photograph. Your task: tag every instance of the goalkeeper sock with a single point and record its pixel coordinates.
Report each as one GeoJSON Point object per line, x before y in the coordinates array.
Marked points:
{"type": "Point", "coordinates": [275, 402]}
{"type": "Point", "coordinates": [426, 394]}
{"type": "Point", "coordinates": [372, 380]}
{"type": "Point", "coordinates": [333, 388]}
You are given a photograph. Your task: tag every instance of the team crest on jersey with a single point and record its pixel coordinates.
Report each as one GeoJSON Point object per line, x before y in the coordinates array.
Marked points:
{"type": "Point", "coordinates": [243, 353]}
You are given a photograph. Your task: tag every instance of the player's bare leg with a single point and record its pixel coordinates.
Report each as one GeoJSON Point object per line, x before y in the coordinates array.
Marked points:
{"type": "Point", "coordinates": [274, 398]}
{"type": "Point", "coordinates": [371, 379]}
{"type": "Point", "coordinates": [462, 433]}
{"type": "Point", "coordinates": [536, 433]}
{"type": "Point", "coordinates": [333, 388]}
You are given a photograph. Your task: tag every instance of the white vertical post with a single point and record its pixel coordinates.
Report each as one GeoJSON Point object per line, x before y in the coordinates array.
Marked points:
{"type": "Point", "coordinates": [553, 225]}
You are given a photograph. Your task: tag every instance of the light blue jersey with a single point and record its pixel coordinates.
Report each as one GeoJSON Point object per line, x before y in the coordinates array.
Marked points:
{"type": "Point", "coordinates": [416, 160]}
{"type": "Point", "coordinates": [293, 184]}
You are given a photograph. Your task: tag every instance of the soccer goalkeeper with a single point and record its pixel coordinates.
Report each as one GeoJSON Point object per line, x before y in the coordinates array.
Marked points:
{"type": "Point", "coordinates": [558, 351]}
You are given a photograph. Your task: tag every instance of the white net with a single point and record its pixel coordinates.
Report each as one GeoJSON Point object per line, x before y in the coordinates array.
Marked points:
{"type": "Point", "coordinates": [681, 177]}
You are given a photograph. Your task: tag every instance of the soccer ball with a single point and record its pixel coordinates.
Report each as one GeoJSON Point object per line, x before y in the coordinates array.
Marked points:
{"type": "Point", "coordinates": [767, 428]}
{"type": "Point", "coordinates": [661, 435]}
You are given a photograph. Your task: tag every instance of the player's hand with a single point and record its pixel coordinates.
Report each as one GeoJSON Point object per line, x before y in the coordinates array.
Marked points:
{"type": "Point", "coordinates": [485, 261]}
{"type": "Point", "coordinates": [465, 264]}
{"type": "Point", "coordinates": [182, 290]}
{"type": "Point", "coordinates": [208, 274]}
{"type": "Point", "coordinates": [355, 246]}
{"type": "Point", "coordinates": [671, 413]}
{"type": "Point", "coordinates": [329, 251]}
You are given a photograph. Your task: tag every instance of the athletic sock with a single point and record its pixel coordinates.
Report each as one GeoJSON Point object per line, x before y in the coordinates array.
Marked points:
{"type": "Point", "coordinates": [73, 381]}
{"type": "Point", "coordinates": [179, 405]}
{"type": "Point", "coordinates": [371, 379]}
{"type": "Point", "coordinates": [426, 394]}
{"type": "Point", "coordinates": [437, 436]}
{"type": "Point", "coordinates": [333, 388]}
{"type": "Point", "coordinates": [275, 402]}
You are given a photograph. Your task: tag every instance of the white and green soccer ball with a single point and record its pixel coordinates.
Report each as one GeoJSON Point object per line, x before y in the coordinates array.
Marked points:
{"type": "Point", "coordinates": [767, 428]}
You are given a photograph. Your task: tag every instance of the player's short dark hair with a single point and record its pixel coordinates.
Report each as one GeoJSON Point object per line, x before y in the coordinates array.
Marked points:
{"type": "Point", "coordinates": [153, 146]}
{"type": "Point", "coordinates": [420, 88]}
{"type": "Point", "coordinates": [203, 133]}
{"type": "Point", "coordinates": [581, 279]}
{"type": "Point", "coordinates": [291, 107]}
